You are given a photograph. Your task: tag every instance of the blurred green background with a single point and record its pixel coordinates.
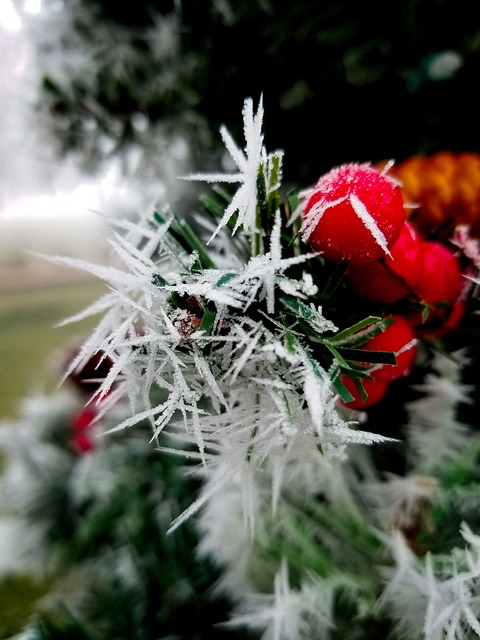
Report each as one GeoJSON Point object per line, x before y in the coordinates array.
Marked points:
{"type": "Point", "coordinates": [31, 346]}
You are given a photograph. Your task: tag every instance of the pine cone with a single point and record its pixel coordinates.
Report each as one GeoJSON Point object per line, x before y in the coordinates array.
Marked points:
{"type": "Point", "coordinates": [446, 188]}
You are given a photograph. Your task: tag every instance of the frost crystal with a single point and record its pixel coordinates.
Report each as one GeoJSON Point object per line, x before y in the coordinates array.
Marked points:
{"type": "Point", "coordinates": [219, 348]}
{"type": "Point", "coordinates": [291, 614]}
{"type": "Point", "coordinates": [439, 599]}
{"type": "Point", "coordinates": [251, 162]}
{"type": "Point", "coordinates": [369, 222]}
{"type": "Point", "coordinates": [435, 434]}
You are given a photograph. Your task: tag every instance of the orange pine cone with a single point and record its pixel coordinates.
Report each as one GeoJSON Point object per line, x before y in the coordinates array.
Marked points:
{"type": "Point", "coordinates": [446, 189]}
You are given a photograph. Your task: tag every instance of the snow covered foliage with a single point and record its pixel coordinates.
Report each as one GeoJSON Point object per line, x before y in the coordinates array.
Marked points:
{"type": "Point", "coordinates": [90, 525]}
{"type": "Point", "coordinates": [435, 433]}
{"type": "Point", "coordinates": [443, 591]}
{"type": "Point", "coordinates": [247, 353]}
{"type": "Point", "coordinates": [230, 339]}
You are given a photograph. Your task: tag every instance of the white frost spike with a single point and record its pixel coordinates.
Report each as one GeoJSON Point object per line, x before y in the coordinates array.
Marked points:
{"type": "Point", "coordinates": [445, 596]}
{"type": "Point", "coordinates": [315, 214]}
{"type": "Point", "coordinates": [314, 389]}
{"type": "Point", "coordinates": [276, 258]}
{"type": "Point", "coordinates": [369, 222]}
{"type": "Point", "coordinates": [249, 163]}
{"type": "Point", "coordinates": [288, 613]}
{"type": "Point", "coordinates": [435, 434]}
{"type": "Point", "coordinates": [205, 371]}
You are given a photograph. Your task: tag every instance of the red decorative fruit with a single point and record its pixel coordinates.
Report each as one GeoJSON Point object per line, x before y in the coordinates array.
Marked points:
{"type": "Point", "coordinates": [82, 425]}
{"type": "Point", "coordinates": [444, 321]}
{"type": "Point", "coordinates": [440, 279]}
{"type": "Point", "coordinates": [394, 277]}
{"type": "Point", "coordinates": [399, 339]}
{"type": "Point", "coordinates": [90, 376]}
{"type": "Point", "coordinates": [355, 213]}
{"type": "Point", "coordinates": [374, 389]}
{"type": "Point", "coordinates": [440, 286]}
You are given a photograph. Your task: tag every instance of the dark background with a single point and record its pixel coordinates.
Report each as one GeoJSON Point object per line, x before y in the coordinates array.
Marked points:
{"type": "Point", "coordinates": [342, 81]}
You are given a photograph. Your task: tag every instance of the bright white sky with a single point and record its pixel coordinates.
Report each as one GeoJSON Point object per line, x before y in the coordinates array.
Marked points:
{"type": "Point", "coordinates": [39, 198]}
{"type": "Point", "coordinates": [29, 185]}
{"type": "Point", "coordinates": [9, 18]}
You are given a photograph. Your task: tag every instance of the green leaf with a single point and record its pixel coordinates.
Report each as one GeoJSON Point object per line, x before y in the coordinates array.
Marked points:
{"type": "Point", "coordinates": [380, 357]}
{"type": "Point", "coordinates": [338, 356]}
{"type": "Point", "coordinates": [194, 243]}
{"type": "Point", "coordinates": [275, 169]}
{"type": "Point", "coordinates": [290, 342]}
{"type": "Point", "coordinates": [225, 278]}
{"type": "Point", "coordinates": [293, 200]}
{"type": "Point", "coordinates": [158, 280]}
{"type": "Point", "coordinates": [159, 218]}
{"type": "Point", "coordinates": [223, 193]}
{"type": "Point", "coordinates": [275, 175]}
{"type": "Point", "coordinates": [341, 389]}
{"type": "Point", "coordinates": [184, 235]}
{"type": "Point", "coordinates": [370, 320]}
{"type": "Point", "coordinates": [208, 322]}
{"type": "Point", "coordinates": [361, 389]}
{"type": "Point", "coordinates": [317, 368]}
{"type": "Point", "coordinates": [212, 206]}
{"type": "Point", "coordinates": [425, 312]}
{"type": "Point", "coordinates": [261, 191]}
{"type": "Point", "coordinates": [305, 312]}
{"type": "Point", "coordinates": [367, 355]}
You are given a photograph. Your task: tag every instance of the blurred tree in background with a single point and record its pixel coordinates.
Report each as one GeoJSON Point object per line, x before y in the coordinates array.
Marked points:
{"type": "Point", "coordinates": [342, 81]}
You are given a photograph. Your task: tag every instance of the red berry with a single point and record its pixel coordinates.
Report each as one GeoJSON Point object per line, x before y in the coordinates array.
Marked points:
{"type": "Point", "coordinates": [82, 424]}
{"type": "Point", "coordinates": [89, 378]}
{"type": "Point", "coordinates": [397, 338]}
{"type": "Point", "coordinates": [83, 419]}
{"type": "Point", "coordinates": [375, 390]}
{"type": "Point", "coordinates": [81, 443]}
{"type": "Point", "coordinates": [444, 322]}
{"type": "Point", "coordinates": [392, 278]}
{"type": "Point", "coordinates": [440, 278]}
{"type": "Point", "coordinates": [355, 213]}
{"type": "Point", "coordinates": [440, 281]}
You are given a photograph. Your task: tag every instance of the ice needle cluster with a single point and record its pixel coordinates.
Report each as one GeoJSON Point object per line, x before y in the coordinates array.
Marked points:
{"type": "Point", "coordinates": [223, 344]}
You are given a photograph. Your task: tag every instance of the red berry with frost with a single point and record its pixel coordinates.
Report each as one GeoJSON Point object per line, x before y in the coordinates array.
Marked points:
{"type": "Point", "coordinates": [394, 277]}
{"type": "Point", "coordinates": [355, 213]}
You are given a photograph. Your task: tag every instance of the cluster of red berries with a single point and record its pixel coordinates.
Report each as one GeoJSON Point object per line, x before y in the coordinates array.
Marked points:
{"type": "Point", "coordinates": [356, 214]}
